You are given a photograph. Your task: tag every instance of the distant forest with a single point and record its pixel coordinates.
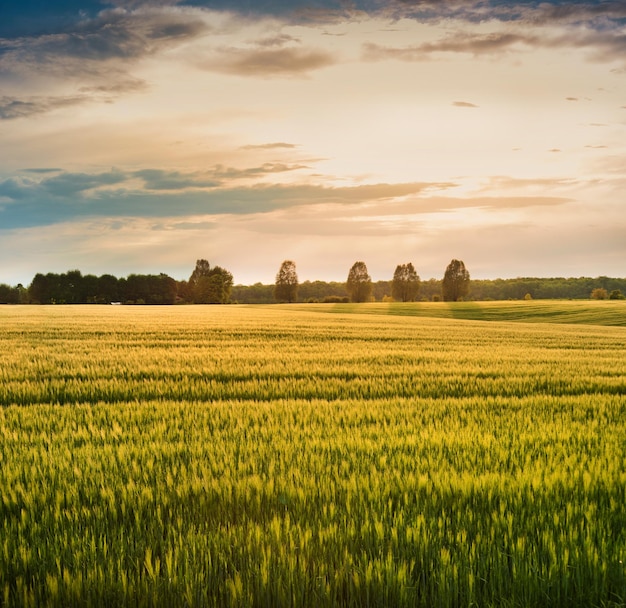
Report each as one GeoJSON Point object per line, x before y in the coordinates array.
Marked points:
{"type": "Point", "coordinates": [73, 287]}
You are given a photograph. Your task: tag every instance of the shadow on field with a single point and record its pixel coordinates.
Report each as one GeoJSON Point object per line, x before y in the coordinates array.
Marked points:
{"type": "Point", "coordinates": [467, 310]}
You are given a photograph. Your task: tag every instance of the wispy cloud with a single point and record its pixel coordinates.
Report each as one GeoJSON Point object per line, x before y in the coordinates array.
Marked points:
{"type": "Point", "coordinates": [269, 146]}
{"type": "Point", "coordinates": [157, 179]}
{"type": "Point", "coordinates": [12, 107]}
{"type": "Point", "coordinates": [602, 46]}
{"type": "Point", "coordinates": [460, 42]}
{"type": "Point", "coordinates": [464, 104]}
{"type": "Point", "coordinates": [262, 62]}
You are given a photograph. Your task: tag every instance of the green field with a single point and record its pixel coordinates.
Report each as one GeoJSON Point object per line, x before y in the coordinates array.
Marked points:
{"type": "Point", "coordinates": [427, 454]}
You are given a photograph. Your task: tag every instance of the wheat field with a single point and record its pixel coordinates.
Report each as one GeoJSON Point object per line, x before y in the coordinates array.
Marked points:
{"type": "Point", "coordinates": [373, 455]}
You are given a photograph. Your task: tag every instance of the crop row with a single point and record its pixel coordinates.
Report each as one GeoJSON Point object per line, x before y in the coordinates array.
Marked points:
{"type": "Point", "coordinates": [315, 502]}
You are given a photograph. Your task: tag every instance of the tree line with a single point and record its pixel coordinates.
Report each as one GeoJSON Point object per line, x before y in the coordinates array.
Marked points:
{"type": "Point", "coordinates": [206, 285]}
{"type": "Point", "coordinates": [214, 285]}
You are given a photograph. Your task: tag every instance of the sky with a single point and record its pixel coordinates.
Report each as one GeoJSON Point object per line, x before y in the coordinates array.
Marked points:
{"type": "Point", "coordinates": [137, 136]}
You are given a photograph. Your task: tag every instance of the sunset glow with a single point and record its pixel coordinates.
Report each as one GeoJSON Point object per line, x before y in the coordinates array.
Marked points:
{"type": "Point", "coordinates": [140, 136]}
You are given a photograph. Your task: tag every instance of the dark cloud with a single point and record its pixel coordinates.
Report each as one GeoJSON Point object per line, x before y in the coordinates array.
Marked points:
{"type": "Point", "coordinates": [43, 170]}
{"type": "Point", "coordinates": [84, 47]}
{"type": "Point", "coordinates": [73, 196]}
{"type": "Point", "coordinates": [155, 179]}
{"type": "Point", "coordinates": [95, 50]}
{"type": "Point", "coordinates": [535, 12]}
{"type": "Point", "coordinates": [70, 184]}
{"type": "Point", "coordinates": [17, 189]}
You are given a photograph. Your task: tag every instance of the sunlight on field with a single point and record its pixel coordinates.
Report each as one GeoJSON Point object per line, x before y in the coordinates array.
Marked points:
{"type": "Point", "coordinates": [588, 312]}
{"type": "Point", "coordinates": [284, 456]}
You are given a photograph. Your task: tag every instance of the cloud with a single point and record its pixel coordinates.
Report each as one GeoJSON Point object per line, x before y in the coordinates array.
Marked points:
{"type": "Point", "coordinates": [113, 88]}
{"type": "Point", "coordinates": [605, 46]}
{"type": "Point", "coordinates": [528, 12]}
{"type": "Point", "coordinates": [96, 52]}
{"type": "Point", "coordinates": [503, 182]}
{"type": "Point", "coordinates": [29, 202]}
{"type": "Point", "coordinates": [69, 184]}
{"type": "Point", "coordinates": [265, 169]}
{"type": "Point", "coordinates": [277, 40]}
{"type": "Point", "coordinates": [464, 104]}
{"type": "Point", "coordinates": [157, 179]}
{"type": "Point", "coordinates": [12, 108]}
{"type": "Point", "coordinates": [112, 34]}
{"type": "Point", "coordinates": [269, 146]}
{"type": "Point", "coordinates": [459, 42]}
{"type": "Point", "coordinates": [263, 62]}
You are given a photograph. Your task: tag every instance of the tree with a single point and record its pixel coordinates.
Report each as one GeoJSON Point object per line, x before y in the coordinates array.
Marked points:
{"type": "Point", "coordinates": [359, 283]}
{"type": "Point", "coordinates": [202, 269]}
{"type": "Point", "coordinates": [286, 286]}
{"type": "Point", "coordinates": [214, 288]}
{"type": "Point", "coordinates": [599, 293]}
{"type": "Point", "coordinates": [149, 289]}
{"type": "Point", "coordinates": [456, 281]}
{"type": "Point", "coordinates": [210, 285]}
{"type": "Point", "coordinates": [405, 283]}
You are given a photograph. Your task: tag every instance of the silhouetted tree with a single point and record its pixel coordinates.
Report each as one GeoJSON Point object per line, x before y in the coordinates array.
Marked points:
{"type": "Point", "coordinates": [456, 281]}
{"type": "Point", "coordinates": [405, 284]}
{"type": "Point", "coordinates": [202, 269]}
{"type": "Point", "coordinates": [38, 290]}
{"type": "Point", "coordinates": [9, 295]}
{"type": "Point", "coordinates": [359, 283]}
{"type": "Point", "coordinates": [286, 286]}
{"type": "Point", "coordinates": [149, 289]}
{"type": "Point", "coordinates": [108, 289]}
